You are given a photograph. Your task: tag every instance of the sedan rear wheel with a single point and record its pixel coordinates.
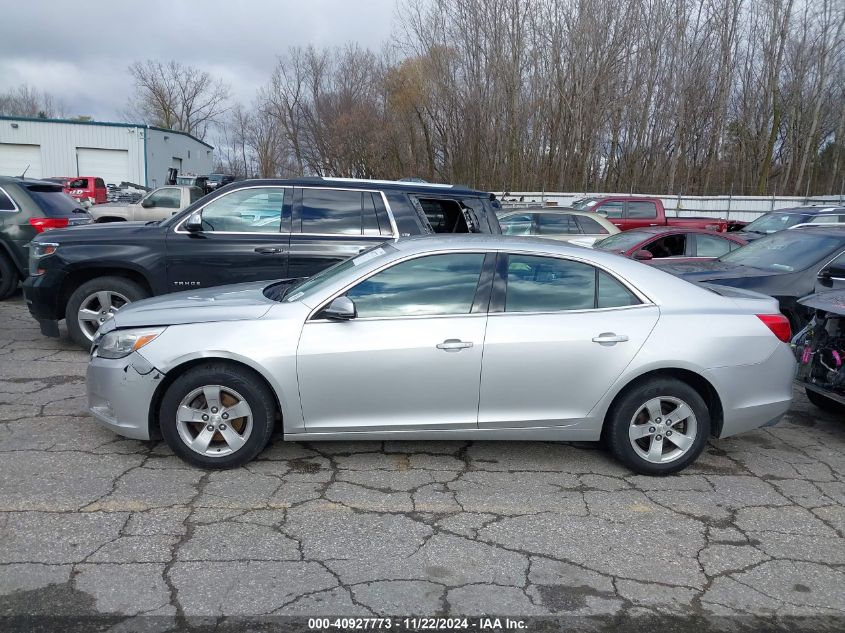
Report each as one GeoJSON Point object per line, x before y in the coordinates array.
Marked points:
{"type": "Point", "coordinates": [658, 427]}
{"type": "Point", "coordinates": [217, 415]}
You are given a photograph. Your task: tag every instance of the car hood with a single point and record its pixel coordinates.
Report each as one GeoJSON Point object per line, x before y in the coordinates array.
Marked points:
{"type": "Point", "coordinates": [830, 301]}
{"type": "Point", "coordinates": [106, 230]}
{"type": "Point", "coordinates": [222, 303]}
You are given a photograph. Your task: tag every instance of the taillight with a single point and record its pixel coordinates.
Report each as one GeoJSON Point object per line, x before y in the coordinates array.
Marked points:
{"type": "Point", "coordinates": [45, 224]}
{"type": "Point", "coordinates": [778, 324]}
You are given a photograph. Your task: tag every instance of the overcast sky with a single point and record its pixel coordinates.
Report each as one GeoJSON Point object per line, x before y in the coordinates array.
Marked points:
{"type": "Point", "coordinates": [79, 51]}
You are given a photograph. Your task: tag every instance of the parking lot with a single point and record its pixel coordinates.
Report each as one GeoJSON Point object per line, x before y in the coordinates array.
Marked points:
{"type": "Point", "coordinates": [96, 524]}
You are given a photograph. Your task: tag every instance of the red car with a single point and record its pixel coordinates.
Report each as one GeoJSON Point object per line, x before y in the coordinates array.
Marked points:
{"type": "Point", "coordinates": [634, 212]}
{"type": "Point", "coordinates": [87, 188]}
{"type": "Point", "coordinates": [670, 244]}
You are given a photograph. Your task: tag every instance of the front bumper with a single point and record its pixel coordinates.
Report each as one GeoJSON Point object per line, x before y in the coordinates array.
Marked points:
{"type": "Point", "coordinates": [120, 393]}
{"type": "Point", "coordinates": [42, 295]}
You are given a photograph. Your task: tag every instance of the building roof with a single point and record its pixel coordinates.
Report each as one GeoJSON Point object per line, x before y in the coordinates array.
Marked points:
{"type": "Point", "coordinates": [105, 124]}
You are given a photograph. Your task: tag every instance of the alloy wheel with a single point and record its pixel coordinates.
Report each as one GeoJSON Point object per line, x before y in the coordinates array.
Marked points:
{"type": "Point", "coordinates": [214, 420]}
{"type": "Point", "coordinates": [663, 429]}
{"type": "Point", "coordinates": [96, 308]}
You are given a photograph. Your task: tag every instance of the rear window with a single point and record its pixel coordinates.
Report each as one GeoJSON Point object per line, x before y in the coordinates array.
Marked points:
{"type": "Point", "coordinates": [53, 202]}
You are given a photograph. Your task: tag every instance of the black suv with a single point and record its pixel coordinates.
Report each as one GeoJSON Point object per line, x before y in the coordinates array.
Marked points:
{"type": "Point", "coordinates": [247, 231]}
{"type": "Point", "coordinates": [29, 207]}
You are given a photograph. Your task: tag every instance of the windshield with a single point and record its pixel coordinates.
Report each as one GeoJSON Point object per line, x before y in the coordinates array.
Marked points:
{"type": "Point", "coordinates": [786, 252]}
{"type": "Point", "coordinates": [773, 222]}
{"type": "Point", "coordinates": [53, 202]}
{"type": "Point", "coordinates": [325, 277]}
{"type": "Point", "coordinates": [584, 203]}
{"type": "Point", "coordinates": [622, 241]}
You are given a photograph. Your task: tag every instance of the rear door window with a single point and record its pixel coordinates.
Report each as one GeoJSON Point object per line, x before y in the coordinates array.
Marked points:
{"type": "Point", "coordinates": [99, 183]}
{"type": "Point", "coordinates": [557, 224]}
{"type": "Point", "coordinates": [711, 246]}
{"type": "Point", "coordinates": [53, 202]}
{"type": "Point", "coordinates": [641, 209]}
{"type": "Point", "coordinates": [590, 226]}
{"type": "Point", "coordinates": [331, 211]}
{"type": "Point", "coordinates": [521, 224]}
{"type": "Point", "coordinates": [548, 284]}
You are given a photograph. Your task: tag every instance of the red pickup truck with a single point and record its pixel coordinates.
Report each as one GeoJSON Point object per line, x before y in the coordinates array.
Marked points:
{"type": "Point", "coordinates": [634, 212]}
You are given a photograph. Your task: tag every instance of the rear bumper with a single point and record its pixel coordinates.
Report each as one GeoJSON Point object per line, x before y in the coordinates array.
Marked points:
{"type": "Point", "coordinates": [120, 392]}
{"type": "Point", "coordinates": [43, 296]}
{"type": "Point", "coordinates": [755, 395]}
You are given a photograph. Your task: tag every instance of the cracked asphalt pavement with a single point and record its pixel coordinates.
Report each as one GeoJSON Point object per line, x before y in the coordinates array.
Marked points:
{"type": "Point", "coordinates": [91, 523]}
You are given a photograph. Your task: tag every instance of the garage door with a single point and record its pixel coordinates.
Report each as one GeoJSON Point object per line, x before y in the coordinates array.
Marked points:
{"type": "Point", "coordinates": [14, 159]}
{"type": "Point", "coordinates": [112, 165]}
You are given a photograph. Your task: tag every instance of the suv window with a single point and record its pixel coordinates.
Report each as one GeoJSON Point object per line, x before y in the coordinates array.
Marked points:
{"type": "Point", "coordinates": [52, 201]}
{"type": "Point", "coordinates": [557, 224]}
{"type": "Point", "coordinates": [550, 284]}
{"type": "Point", "coordinates": [641, 209]}
{"type": "Point", "coordinates": [78, 183]}
{"type": "Point", "coordinates": [169, 198]}
{"type": "Point", "coordinates": [196, 193]}
{"type": "Point", "coordinates": [6, 203]}
{"type": "Point", "coordinates": [434, 284]}
{"type": "Point", "coordinates": [612, 209]}
{"type": "Point", "coordinates": [331, 211]}
{"type": "Point", "coordinates": [252, 210]}
{"type": "Point", "coordinates": [98, 183]}
{"type": "Point", "coordinates": [445, 216]}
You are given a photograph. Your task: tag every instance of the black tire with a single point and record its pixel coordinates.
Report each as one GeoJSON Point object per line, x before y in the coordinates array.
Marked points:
{"type": "Point", "coordinates": [823, 402]}
{"type": "Point", "coordinates": [239, 379]}
{"type": "Point", "coordinates": [631, 402]}
{"type": "Point", "coordinates": [126, 288]}
{"type": "Point", "coordinates": [9, 277]}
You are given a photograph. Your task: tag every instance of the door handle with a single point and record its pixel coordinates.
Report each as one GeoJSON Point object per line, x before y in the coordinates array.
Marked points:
{"type": "Point", "coordinates": [454, 345]}
{"type": "Point", "coordinates": [269, 250]}
{"type": "Point", "coordinates": [653, 224]}
{"type": "Point", "coordinates": [609, 338]}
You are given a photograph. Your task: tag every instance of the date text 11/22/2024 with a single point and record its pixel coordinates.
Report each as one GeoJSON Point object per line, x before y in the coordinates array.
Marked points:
{"type": "Point", "coordinates": [417, 624]}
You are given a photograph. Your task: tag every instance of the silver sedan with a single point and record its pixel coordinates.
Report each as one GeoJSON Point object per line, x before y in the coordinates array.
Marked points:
{"type": "Point", "coordinates": [476, 337]}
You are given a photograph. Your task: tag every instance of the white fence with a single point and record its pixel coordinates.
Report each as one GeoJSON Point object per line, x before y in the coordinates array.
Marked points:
{"type": "Point", "coordinates": [733, 207]}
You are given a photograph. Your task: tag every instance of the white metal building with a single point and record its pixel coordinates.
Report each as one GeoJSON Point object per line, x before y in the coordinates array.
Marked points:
{"type": "Point", "coordinates": [115, 152]}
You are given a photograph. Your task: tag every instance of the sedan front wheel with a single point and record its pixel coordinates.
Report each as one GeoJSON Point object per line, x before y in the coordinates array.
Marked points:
{"type": "Point", "coordinates": [658, 427]}
{"type": "Point", "coordinates": [217, 415]}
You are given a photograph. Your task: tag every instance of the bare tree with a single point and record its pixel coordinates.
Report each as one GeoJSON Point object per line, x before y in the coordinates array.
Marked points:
{"type": "Point", "coordinates": [30, 102]}
{"type": "Point", "coordinates": [176, 96]}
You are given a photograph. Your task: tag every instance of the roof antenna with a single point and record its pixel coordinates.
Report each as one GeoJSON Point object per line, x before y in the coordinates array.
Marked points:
{"type": "Point", "coordinates": [24, 172]}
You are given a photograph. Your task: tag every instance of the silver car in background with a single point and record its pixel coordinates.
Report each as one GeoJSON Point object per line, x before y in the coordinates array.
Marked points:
{"type": "Point", "coordinates": [475, 337]}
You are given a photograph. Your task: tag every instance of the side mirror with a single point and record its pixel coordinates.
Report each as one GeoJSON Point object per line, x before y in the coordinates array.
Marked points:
{"type": "Point", "coordinates": [643, 255]}
{"type": "Point", "coordinates": [146, 203]}
{"type": "Point", "coordinates": [601, 213]}
{"type": "Point", "coordinates": [830, 274]}
{"type": "Point", "coordinates": [340, 309]}
{"type": "Point", "coordinates": [194, 223]}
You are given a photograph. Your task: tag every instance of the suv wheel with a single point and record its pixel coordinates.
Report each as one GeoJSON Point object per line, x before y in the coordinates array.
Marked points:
{"type": "Point", "coordinates": [658, 427]}
{"type": "Point", "coordinates": [8, 278]}
{"type": "Point", "coordinates": [217, 415]}
{"type": "Point", "coordinates": [94, 302]}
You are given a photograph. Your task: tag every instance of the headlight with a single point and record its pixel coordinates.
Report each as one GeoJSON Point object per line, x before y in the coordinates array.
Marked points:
{"type": "Point", "coordinates": [120, 343]}
{"type": "Point", "coordinates": [37, 251]}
